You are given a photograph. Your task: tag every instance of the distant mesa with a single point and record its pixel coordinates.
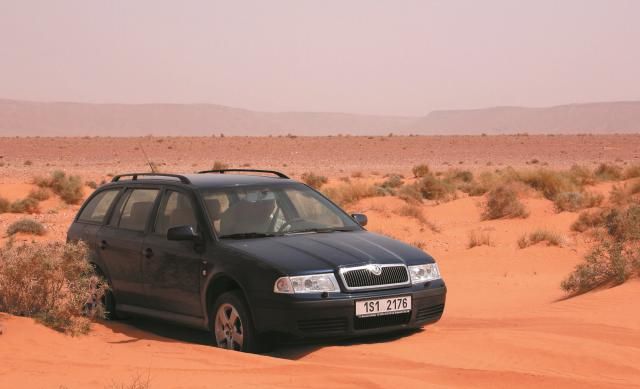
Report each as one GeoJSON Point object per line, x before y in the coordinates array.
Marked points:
{"type": "Point", "coordinates": [25, 118]}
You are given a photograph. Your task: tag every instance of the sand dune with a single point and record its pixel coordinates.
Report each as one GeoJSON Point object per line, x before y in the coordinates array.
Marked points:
{"type": "Point", "coordinates": [506, 323]}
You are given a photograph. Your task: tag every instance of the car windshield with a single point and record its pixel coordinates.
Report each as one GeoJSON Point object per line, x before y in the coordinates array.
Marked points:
{"type": "Point", "coordinates": [253, 212]}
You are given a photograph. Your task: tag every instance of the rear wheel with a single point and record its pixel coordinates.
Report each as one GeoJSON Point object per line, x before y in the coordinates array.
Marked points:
{"type": "Point", "coordinates": [232, 325]}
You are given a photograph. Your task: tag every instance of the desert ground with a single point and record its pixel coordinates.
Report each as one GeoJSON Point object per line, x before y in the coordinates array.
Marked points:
{"type": "Point", "coordinates": [507, 323]}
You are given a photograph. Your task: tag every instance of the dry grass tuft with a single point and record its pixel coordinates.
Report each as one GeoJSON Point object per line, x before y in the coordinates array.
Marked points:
{"type": "Point", "coordinates": [349, 193]}
{"type": "Point", "coordinates": [575, 201]}
{"type": "Point", "coordinates": [219, 165]}
{"type": "Point", "coordinates": [434, 188]}
{"type": "Point", "coordinates": [415, 211]}
{"type": "Point", "coordinates": [52, 282]}
{"type": "Point", "coordinates": [40, 194]}
{"type": "Point", "coordinates": [26, 226]}
{"type": "Point", "coordinates": [479, 238]}
{"type": "Point", "coordinates": [540, 235]}
{"type": "Point", "coordinates": [421, 170]}
{"type": "Point", "coordinates": [69, 188]}
{"type": "Point", "coordinates": [503, 202]}
{"type": "Point", "coordinates": [314, 180]}
{"type": "Point", "coordinates": [5, 205]}
{"type": "Point", "coordinates": [27, 205]}
{"type": "Point", "coordinates": [632, 171]}
{"type": "Point", "coordinates": [608, 172]}
{"type": "Point", "coordinates": [588, 220]}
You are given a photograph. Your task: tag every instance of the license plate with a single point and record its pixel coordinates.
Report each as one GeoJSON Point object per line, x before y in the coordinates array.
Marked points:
{"type": "Point", "coordinates": [384, 306]}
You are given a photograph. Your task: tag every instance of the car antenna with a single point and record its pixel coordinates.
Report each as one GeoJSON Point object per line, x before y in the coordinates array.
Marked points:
{"type": "Point", "coordinates": [153, 168]}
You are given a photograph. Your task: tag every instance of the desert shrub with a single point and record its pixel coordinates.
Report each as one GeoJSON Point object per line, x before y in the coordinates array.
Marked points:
{"type": "Point", "coordinates": [219, 165]}
{"type": "Point", "coordinates": [91, 184]}
{"type": "Point", "coordinates": [480, 185]}
{"type": "Point", "coordinates": [587, 220]}
{"type": "Point", "coordinates": [348, 193]}
{"type": "Point", "coordinates": [52, 282]}
{"type": "Point", "coordinates": [503, 202]}
{"type": "Point", "coordinates": [410, 194]}
{"type": "Point", "coordinates": [5, 205]}
{"type": "Point", "coordinates": [479, 238]}
{"type": "Point", "coordinates": [40, 194]}
{"type": "Point", "coordinates": [632, 171]}
{"type": "Point", "coordinates": [621, 195]}
{"type": "Point", "coordinates": [28, 205]}
{"type": "Point", "coordinates": [549, 182]}
{"type": "Point", "coordinates": [607, 172]}
{"type": "Point", "coordinates": [420, 170]}
{"type": "Point", "coordinates": [434, 188]}
{"type": "Point", "coordinates": [581, 175]}
{"type": "Point", "coordinates": [540, 235]}
{"type": "Point", "coordinates": [614, 258]}
{"type": "Point", "coordinates": [575, 201]}
{"type": "Point", "coordinates": [392, 182]}
{"type": "Point", "coordinates": [357, 174]}
{"type": "Point", "coordinates": [459, 176]}
{"type": "Point", "coordinates": [28, 162]}
{"type": "Point", "coordinates": [26, 226]}
{"type": "Point", "coordinates": [69, 188]}
{"type": "Point", "coordinates": [314, 180]}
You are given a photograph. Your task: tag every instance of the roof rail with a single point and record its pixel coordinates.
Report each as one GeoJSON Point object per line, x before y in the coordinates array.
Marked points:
{"type": "Point", "coordinates": [222, 171]}
{"type": "Point", "coordinates": [134, 176]}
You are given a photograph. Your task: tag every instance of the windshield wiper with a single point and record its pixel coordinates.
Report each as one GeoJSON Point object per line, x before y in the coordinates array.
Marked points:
{"type": "Point", "coordinates": [248, 235]}
{"type": "Point", "coordinates": [319, 230]}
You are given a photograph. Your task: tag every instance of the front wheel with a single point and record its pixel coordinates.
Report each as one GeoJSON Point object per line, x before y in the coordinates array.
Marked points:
{"type": "Point", "coordinates": [232, 325]}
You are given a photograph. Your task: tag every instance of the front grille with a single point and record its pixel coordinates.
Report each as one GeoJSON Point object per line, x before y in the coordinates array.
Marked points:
{"type": "Point", "coordinates": [364, 277]}
{"type": "Point", "coordinates": [367, 323]}
{"type": "Point", "coordinates": [336, 324]}
{"type": "Point", "coordinates": [427, 313]}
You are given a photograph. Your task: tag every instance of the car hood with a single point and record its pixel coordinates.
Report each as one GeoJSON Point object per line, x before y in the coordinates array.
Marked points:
{"type": "Point", "coordinates": [319, 252]}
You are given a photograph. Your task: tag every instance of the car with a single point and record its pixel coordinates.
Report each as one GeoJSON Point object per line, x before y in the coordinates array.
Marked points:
{"type": "Point", "coordinates": [251, 255]}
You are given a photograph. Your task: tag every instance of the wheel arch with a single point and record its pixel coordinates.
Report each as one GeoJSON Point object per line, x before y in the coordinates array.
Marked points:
{"type": "Point", "coordinates": [219, 284]}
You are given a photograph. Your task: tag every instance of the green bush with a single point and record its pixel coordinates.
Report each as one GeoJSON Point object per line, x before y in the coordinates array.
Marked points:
{"type": "Point", "coordinates": [52, 282]}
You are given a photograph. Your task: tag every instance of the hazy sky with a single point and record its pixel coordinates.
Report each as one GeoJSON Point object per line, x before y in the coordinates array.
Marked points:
{"type": "Point", "coordinates": [382, 57]}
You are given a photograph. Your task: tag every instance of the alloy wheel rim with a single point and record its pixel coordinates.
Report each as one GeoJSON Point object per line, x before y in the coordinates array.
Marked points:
{"type": "Point", "coordinates": [228, 328]}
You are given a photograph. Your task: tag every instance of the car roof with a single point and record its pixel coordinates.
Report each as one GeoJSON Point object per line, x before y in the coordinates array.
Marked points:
{"type": "Point", "coordinates": [203, 180]}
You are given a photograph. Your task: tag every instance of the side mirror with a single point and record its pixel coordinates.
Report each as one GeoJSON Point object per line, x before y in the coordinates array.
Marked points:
{"type": "Point", "coordinates": [360, 218]}
{"type": "Point", "coordinates": [182, 233]}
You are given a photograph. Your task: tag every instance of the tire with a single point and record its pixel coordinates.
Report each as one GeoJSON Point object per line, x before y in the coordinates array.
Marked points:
{"type": "Point", "coordinates": [109, 304]}
{"type": "Point", "coordinates": [232, 325]}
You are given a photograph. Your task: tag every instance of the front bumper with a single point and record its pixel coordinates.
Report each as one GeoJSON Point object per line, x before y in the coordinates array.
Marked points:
{"type": "Point", "coordinates": [312, 316]}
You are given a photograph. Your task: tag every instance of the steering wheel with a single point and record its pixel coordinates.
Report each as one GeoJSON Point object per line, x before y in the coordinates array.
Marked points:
{"type": "Point", "coordinates": [289, 223]}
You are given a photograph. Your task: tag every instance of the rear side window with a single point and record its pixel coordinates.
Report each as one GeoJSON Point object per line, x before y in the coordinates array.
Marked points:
{"type": "Point", "coordinates": [96, 210]}
{"type": "Point", "coordinates": [137, 210]}
{"type": "Point", "coordinates": [175, 210]}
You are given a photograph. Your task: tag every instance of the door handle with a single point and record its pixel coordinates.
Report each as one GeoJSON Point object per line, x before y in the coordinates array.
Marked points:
{"type": "Point", "coordinates": [103, 245]}
{"type": "Point", "coordinates": [148, 253]}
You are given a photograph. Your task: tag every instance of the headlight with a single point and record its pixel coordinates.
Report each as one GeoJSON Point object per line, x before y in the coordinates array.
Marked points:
{"type": "Point", "coordinates": [307, 284]}
{"type": "Point", "coordinates": [424, 273]}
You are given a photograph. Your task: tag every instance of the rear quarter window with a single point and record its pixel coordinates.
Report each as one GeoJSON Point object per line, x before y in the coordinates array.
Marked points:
{"type": "Point", "coordinates": [96, 210]}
